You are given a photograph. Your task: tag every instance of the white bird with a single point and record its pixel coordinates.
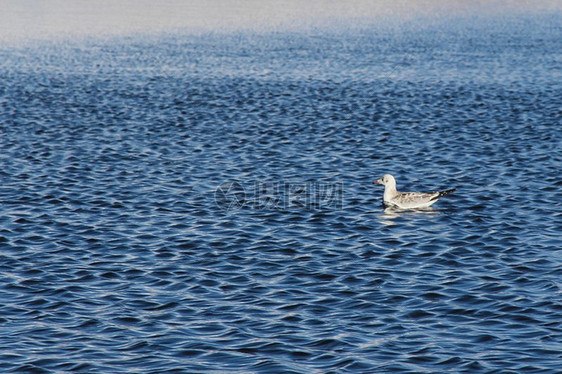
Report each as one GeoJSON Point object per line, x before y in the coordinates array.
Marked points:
{"type": "Point", "coordinates": [407, 200]}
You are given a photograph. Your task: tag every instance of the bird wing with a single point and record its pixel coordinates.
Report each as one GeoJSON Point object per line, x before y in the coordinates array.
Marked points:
{"type": "Point", "coordinates": [411, 197]}
{"type": "Point", "coordinates": [443, 193]}
{"type": "Point", "coordinates": [414, 199]}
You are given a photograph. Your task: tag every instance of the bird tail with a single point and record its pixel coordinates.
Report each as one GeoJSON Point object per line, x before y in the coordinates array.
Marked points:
{"type": "Point", "coordinates": [443, 193]}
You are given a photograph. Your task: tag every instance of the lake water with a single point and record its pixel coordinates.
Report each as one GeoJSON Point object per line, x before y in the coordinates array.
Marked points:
{"type": "Point", "coordinates": [203, 202]}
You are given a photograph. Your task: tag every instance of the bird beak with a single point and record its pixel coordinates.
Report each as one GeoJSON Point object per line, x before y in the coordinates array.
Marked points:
{"type": "Point", "coordinates": [377, 182]}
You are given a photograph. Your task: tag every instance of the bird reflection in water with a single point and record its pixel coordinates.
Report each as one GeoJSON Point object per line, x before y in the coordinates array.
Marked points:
{"type": "Point", "coordinates": [390, 214]}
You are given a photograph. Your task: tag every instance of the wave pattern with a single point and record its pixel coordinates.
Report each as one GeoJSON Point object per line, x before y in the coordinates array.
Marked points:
{"type": "Point", "coordinates": [119, 252]}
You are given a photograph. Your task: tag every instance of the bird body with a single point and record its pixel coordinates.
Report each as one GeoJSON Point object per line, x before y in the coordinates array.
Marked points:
{"type": "Point", "coordinates": [407, 200]}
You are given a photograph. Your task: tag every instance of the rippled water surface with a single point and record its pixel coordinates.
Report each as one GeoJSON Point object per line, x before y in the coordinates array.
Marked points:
{"type": "Point", "coordinates": [191, 204]}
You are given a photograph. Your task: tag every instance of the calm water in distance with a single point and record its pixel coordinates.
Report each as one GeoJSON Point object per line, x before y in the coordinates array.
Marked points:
{"type": "Point", "coordinates": [203, 203]}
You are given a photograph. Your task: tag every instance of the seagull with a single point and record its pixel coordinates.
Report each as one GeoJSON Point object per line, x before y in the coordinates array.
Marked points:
{"type": "Point", "coordinates": [407, 200]}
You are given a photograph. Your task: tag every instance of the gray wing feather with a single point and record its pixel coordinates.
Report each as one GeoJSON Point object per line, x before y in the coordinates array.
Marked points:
{"type": "Point", "coordinates": [411, 197]}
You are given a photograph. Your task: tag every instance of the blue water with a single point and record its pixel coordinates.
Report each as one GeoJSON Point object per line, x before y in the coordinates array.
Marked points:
{"type": "Point", "coordinates": [184, 203]}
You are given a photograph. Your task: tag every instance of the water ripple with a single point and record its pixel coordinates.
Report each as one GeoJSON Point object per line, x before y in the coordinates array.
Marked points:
{"type": "Point", "coordinates": [164, 209]}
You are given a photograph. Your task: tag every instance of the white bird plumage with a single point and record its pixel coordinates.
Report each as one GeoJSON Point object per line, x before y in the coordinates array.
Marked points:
{"type": "Point", "coordinates": [407, 200]}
